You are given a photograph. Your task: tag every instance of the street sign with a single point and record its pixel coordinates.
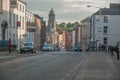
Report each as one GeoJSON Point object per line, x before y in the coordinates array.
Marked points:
{"type": "Point", "coordinates": [18, 24]}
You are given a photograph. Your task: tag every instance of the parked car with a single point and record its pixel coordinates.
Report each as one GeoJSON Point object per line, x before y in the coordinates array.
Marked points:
{"type": "Point", "coordinates": [46, 48]}
{"type": "Point", "coordinates": [77, 48]}
{"type": "Point", "coordinates": [27, 47]}
{"type": "Point", "coordinates": [55, 48]}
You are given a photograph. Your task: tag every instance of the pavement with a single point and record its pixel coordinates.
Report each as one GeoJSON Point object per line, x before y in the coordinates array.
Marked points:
{"type": "Point", "coordinates": [99, 66]}
{"type": "Point", "coordinates": [6, 56]}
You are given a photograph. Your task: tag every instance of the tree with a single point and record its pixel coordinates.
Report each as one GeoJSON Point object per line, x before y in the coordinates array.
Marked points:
{"type": "Point", "coordinates": [68, 26]}
{"type": "Point", "coordinates": [76, 24]}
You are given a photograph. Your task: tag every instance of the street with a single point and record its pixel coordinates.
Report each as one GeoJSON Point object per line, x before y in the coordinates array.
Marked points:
{"type": "Point", "coordinates": [45, 66]}
{"type": "Point", "coordinates": [59, 40]}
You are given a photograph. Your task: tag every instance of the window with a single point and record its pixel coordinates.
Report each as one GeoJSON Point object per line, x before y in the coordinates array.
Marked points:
{"type": "Point", "coordinates": [14, 21]}
{"type": "Point", "coordinates": [105, 19]}
{"type": "Point", "coordinates": [105, 40]}
{"type": "Point", "coordinates": [105, 29]}
{"type": "Point", "coordinates": [1, 6]}
{"type": "Point", "coordinates": [23, 8]}
{"type": "Point", "coordinates": [17, 6]}
{"type": "Point", "coordinates": [20, 7]}
{"type": "Point", "coordinates": [14, 39]}
{"type": "Point", "coordinates": [22, 22]}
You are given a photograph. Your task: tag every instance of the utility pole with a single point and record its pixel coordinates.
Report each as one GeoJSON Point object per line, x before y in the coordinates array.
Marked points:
{"type": "Point", "coordinates": [93, 21]}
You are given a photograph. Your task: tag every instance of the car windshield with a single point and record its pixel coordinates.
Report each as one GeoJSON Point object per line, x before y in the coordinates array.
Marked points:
{"type": "Point", "coordinates": [77, 46]}
{"type": "Point", "coordinates": [28, 44]}
{"type": "Point", "coordinates": [46, 46]}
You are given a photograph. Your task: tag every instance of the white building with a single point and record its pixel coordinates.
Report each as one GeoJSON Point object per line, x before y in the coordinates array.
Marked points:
{"type": "Point", "coordinates": [106, 26]}
{"type": "Point", "coordinates": [14, 13]}
{"type": "Point", "coordinates": [73, 38]}
{"type": "Point", "coordinates": [60, 41]}
{"type": "Point", "coordinates": [30, 20]}
{"type": "Point", "coordinates": [85, 33]}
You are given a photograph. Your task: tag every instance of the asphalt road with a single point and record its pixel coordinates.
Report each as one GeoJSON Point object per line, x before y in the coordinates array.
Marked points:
{"type": "Point", "coordinates": [46, 66]}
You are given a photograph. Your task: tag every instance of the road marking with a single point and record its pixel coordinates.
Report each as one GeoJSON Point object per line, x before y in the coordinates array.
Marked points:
{"type": "Point", "coordinates": [79, 64]}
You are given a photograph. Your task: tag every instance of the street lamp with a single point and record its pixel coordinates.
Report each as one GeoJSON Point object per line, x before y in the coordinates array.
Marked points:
{"type": "Point", "coordinates": [96, 7]}
{"type": "Point", "coordinates": [93, 19]}
{"type": "Point", "coordinates": [93, 6]}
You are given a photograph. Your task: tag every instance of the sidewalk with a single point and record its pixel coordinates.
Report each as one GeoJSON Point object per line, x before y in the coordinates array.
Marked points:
{"type": "Point", "coordinates": [6, 54]}
{"type": "Point", "coordinates": [99, 66]}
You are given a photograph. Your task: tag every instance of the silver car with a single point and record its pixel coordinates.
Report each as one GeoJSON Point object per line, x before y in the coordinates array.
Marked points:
{"type": "Point", "coordinates": [47, 48]}
{"type": "Point", "coordinates": [27, 47]}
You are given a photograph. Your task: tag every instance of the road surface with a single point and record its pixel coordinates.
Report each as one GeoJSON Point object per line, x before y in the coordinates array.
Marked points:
{"type": "Point", "coordinates": [45, 66]}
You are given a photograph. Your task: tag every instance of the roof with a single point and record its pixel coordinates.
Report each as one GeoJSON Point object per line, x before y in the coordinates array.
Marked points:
{"type": "Point", "coordinates": [114, 5]}
{"type": "Point", "coordinates": [36, 15]}
{"type": "Point", "coordinates": [51, 11]}
{"type": "Point", "coordinates": [108, 11]}
{"type": "Point", "coordinates": [22, 2]}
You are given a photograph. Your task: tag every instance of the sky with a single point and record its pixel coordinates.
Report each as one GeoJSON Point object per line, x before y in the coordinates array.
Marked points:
{"type": "Point", "coordinates": [67, 10]}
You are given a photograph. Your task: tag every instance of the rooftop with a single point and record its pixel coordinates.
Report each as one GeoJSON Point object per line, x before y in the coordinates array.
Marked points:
{"type": "Point", "coordinates": [108, 11]}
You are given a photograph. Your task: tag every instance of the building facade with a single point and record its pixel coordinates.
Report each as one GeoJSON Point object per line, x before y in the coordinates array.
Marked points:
{"type": "Point", "coordinates": [105, 27]}
{"type": "Point", "coordinates": [51, 29]}
{"type": "Point", "coordinates": [13, 12]}
{"type": "Point", "coordinates": [42, 33]}
{"type": "Point", "coordinates": [69, 41]}
{"type": "Point", "coordinates": [73, 38]}
{"type": "Point", "coordinates": [85, 33]}
{"type": "Point", "coordinates": [64, 40]}
{"type": "Point", "coordinates": [37, 34]}
{"type": "Point", "coordinates": [30, 27]}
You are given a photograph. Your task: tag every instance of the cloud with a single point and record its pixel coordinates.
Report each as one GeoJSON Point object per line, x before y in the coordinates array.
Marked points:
{"type": "Point", "coordinates": [66, 10]}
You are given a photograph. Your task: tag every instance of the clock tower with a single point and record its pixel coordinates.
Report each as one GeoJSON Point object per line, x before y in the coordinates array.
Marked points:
{"type": "Point", "coordinates": [51, 22]}
{"type": "Point", "coordinates": [51, 28]}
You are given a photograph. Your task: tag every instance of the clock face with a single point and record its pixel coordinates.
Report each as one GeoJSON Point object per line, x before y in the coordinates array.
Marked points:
{"type": "Point", "coordinates": [52, 18]}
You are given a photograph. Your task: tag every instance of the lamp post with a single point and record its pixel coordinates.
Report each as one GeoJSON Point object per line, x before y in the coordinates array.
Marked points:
{"type": "Point", "coordinates": [93, 21]}
{"type": "Point", "coordinates": [96, 7]}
